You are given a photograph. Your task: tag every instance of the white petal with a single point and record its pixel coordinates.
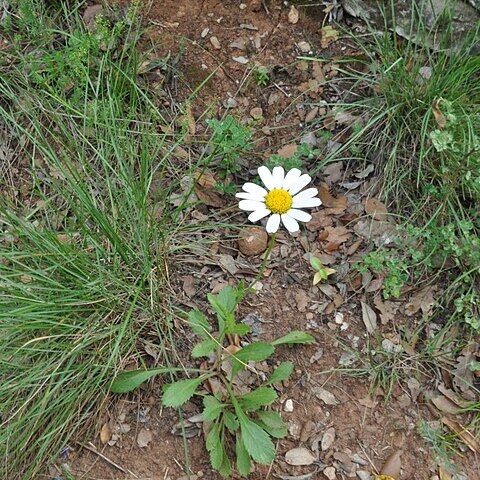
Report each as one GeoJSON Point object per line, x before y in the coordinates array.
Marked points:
{"type": "Point", "coordinates": [306, 203]}
{"type": "Point", "coordinates": [299, 215]}
{"type": "Point", "coordinates": [266, 177]}
{"type": "Point", "coordinates": [290, 178]}
{"type": "Point", "coordinates": [251, 205]}
{"type": "Point", "coordinates": [299, 183]}
{"type": "Point", "coordinates": [290, 223]}
{"type": "Point", "coordinates": [258, 214]}
{"type": "Point", "coordinates": [255, 189]}
{"type": "Point", "coordinates": [278, 176]}
{"type": "Point", "coordinates": [308, 193]}
{"type": "Point", "coordinates": [273, 223]}
{"type": "Point", "coordinates": [249, 196]}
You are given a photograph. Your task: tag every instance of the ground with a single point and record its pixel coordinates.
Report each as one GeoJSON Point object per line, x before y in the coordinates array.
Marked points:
{"type": "Point", "coordinates": [338, 416]}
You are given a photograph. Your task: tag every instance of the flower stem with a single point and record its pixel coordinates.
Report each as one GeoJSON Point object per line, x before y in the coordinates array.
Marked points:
{"type": "Point", "coordinates": [271, 244]}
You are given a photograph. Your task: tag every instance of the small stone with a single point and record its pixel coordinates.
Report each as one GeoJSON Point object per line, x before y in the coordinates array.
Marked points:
{"type": "Point", "coordinates": [309, 139]}
{"type": "Point", "coordinates": [256, 113]}
{"type": "Point", "coordinates": [215, 42]}
{"type": "Point", "coordinates": [253, 241]}
{"type": "Point", "coordinates": [243, 6]}
{"type": "Point", "coordinates": [311, 115]}
{"type": "Point", "coordinates": [304, 47]}
{"type": "Point", "coordinates": [205, 32]}
{"type": "Point", "coordinates": [299, 456]}
{"type": "Point", "coordinates": [288, 407]}
{"type": "Point", "coordinates": [242, 60]}
{"type": "Point", "coordinates": [356, 458]}
{"type": "Point", "coordinates": [144, 437]}
{"type": "Point", "coordinates": [330, 473]}
{"type": "Point", "coordinates": [230, 103]}
{"type": "Point", "coordinates": [364, 475]}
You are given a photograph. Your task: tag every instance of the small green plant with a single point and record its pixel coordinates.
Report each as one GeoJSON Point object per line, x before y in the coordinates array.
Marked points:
{"type": "Point", "coordinates": [234, 417]}
{"type": "Point", "coordinates": [230, 140]}
{"type": "Point", "coordinates": [322, 272]}
{"type": "Point", "coordinates": [261, 75]}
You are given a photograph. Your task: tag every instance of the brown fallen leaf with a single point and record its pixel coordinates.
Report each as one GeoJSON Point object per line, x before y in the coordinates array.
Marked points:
{"type": "Point", "coordinates": [387, 309]}
{"type": "Point", "coordinates": [453, 396]}
{"type": "Point", "coordinates": [462, 375]}
{"type": "Point", "coordinates": [189, 286]}
{"type": "Point", "coordinates": [392, 465]}
{"type": "Point", "coordinates": [376, 209]}
{"type": "Point", "coordinates": [337, 204]}
{"type": "Point", "coordinates": [209, 197]}
{"type": "Point", "coordinates": [105, 433]}
{"type": "Point", "coordinates": [369, 318]}
{"type": "Point", "coordinates": [287, 151]}
{"type": "Point", "coordinates": [443, 473]}
{"type": "Point", "coordinates": [335, 236]}
{"type": "Point", "coordinates": [437, 113]}
{"type": "Point", "coordinates": [423, 300]}
{"type": "Point", "coordinates": [444, 404]}
{"type": "Point", "coordinates": [467, 438]}
{"type": "Point", "coordinates": [293, 15]}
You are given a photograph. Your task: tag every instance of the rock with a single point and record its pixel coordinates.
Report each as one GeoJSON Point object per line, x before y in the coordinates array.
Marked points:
{"type": "Point", "coordinates": [330, 473]}
{"type": "Point", "coordinates": [300, 456]}
{"type": "Point", "coordinates": [465, 18]}
{"type": "Point", "coordinates": [356, 458]}
{"type": "Point", "coordinates": [304, 47]}
{"type": "Point", "coordinates": [230, 103]}
{"type": "Point", "coordinates": [215, 42]}
{"type": "Point", "coordinates": [309, 139]}
{"type": "Point", "coordinates": [252, 241]}
{"type": "Point", "coordinates": [288, 407]}
{"type": "Point", "coordinates": [256, 113]}
{"type": "Point", "coordinates": [144, 437]}
{"type": "Point", "coordinates": [242, 60]}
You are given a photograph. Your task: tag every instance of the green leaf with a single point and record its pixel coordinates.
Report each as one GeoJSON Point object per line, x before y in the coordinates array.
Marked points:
{"type": "Point", "coordinates": [225, 469]}
{"type": "Point", "coordinates": [255, 351]}
{"type": "Point", "coordinates": [199, 323]}
{"type": "Point", "coordinates": [128, 381]}
{"type": "Point", "coordinates": [282, 372]}
{"type": "Point", "coordinates": [177, 393]}
{"type": "Point", "coordinates": [214, 446]}
{"type": "Point", "coordinates": [273, 423]}
{"type": "Point", "coordinates": [256, 440]}
{"type": "Point", "coordinates": [212, 408]}
{"type": "Point", "coordinates": [293, 337]}
{"type": "Point", "coordinates": [202, 349]}
{"type": "Point", "coordinates": [315, 263]}
{"type": "Point", "coordinates": [257, 398]}
{"type": "Point", "coordinates": [231, 421]}
{"type": "Point", "coordinates": [244, 463]}
{"type": "Point", "coordinates": [239, 329]}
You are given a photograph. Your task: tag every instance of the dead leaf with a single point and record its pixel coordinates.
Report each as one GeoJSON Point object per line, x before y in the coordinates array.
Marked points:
{"type": "Point", "coordinates": [319, 219]}
{"type": "Point", "coordinates": [189, 286]}
{"type": "Point", "coordinates": [467, 438]}
{"type": "Point", "coordinates": [229, 264]}
{"type": "Point", "coordinates": [422, 300]}
{"type": "Point", "coordinates": [335, 237]}
{"type": "Point", "coordinates": [454, 397]}
{"type": "Point", "coordinates": [462, 375]}
{"type": "Point", "coordinates": [443, 473]}
{"type": "Point", "coordinates": [365, 172]}
{"type": "Point", "coordinates": [369, 318]}
{"type": "Point", "coordinates": [368, 402]}
{"type": "Point", "coordinates": [329, 35]}
{"type": "Point", "coordinates": [327, 397]}
{"type": "Point", "coordinates": [392, 465]}
{"type": "Point", "coordinates": [300, 456]}
{"type": "Point", "coordinates": [208, 197]}
{"type": "Point", "coordinates": [376, 209]}
{"type": "Point", "coordinates": [444, 404]}
{"type": "Point", "coordinates": [288, 151]}
{"type": "Point", "coordinates": [105, 433]}
{"type": "Point", "coordinates": [144, 437]}
{"type": "Point", "coordinates": [190, 119]}
{"type": "Point", "coordinates": [387, 309]}
{"type": "Point", "coordinates": [293, 15]}
{"type": "Point", "coordinates": [439, 116]}
{"type": "Point", "coordinates": [337, 204]}
{"type": "Point", "coordinates": [333, 172]}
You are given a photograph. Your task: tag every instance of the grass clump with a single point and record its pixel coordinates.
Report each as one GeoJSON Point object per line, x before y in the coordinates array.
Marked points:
{"type": "Point", "coordinates": [83, 252]}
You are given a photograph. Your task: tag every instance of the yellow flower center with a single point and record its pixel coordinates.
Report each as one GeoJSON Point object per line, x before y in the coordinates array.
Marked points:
{"type": "Point", "coordinates": [278, 201]}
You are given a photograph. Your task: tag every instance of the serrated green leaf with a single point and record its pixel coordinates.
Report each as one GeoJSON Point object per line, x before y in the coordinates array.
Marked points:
{"type": "Point", "coordinates": [199, 323]}
{"type": "Point", "coordinates": [244, 462]}
{"type": "Point", "coordinates": [294, 337]}
{"type": "Point", "coordinates": [128, 381]}
{"type": "Point", "coordinates": [231, 421]}
{"type": "Point", "coordinates": [272, 423]}
{"type": "Point", "coordinates": [256, 440]}
{"type": "Point", "coordinates": [177, 393]}
{"type": "Point", "coordinates": [225, 469]}
{"type": "Point", "coordinates": [254, 352]}
{"type": "Point", "coordinates": [203, 348]}
{"type": "Point", "coordinates": [239, 329]}
{"type": "Point", "coordinates": [257, 398]}
{"type": "Point", "coordinates": [214, 446]}
{"type": "Point", "coordinates": [212, 408]}
{"type": "Point", "coordinates": [282, 372]}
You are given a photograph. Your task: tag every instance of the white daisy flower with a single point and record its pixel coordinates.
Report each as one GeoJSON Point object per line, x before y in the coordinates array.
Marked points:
{"type": "Point", "coordinates": [281, 199]}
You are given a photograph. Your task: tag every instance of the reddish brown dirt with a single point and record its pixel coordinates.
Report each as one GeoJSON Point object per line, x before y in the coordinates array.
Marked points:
{"type": "Point", "coordinates": [364, 425]}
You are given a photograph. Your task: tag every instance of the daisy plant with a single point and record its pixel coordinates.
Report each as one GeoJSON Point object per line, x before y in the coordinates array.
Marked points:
{"type": "Point", "coordinates": [281, 201]}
